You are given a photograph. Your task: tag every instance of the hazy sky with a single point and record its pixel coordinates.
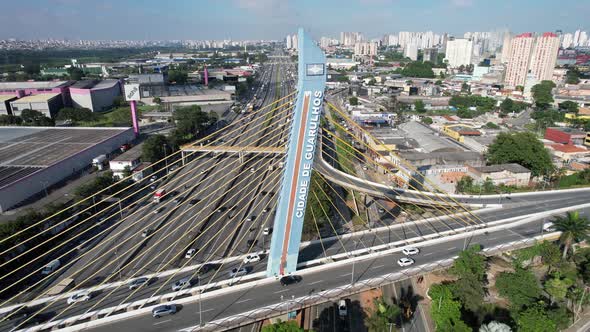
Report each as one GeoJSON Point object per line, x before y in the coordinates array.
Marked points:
{"type": "Point", "coordinates": [272, 19]}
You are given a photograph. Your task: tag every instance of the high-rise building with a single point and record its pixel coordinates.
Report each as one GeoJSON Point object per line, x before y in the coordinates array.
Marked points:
{"type": "Point", "coordinates": [411, 51]}
{"type": "Point", "coordinates": [577, 37]}
{"type": "Point", "coordinates": [350, 38]}
{"type": "Point", "coordinates": [367, 48]}
{"type": "Point", "coordinates": [506, 47]}
{"type": "Point", "coordinates": [431, 54]}
{"type": "Point", "coordinates": [567, 40]}
{"type": "Point", "coordinates": [459, 52]}
{"type": "Point", "coordinates": [295, 42]}
{"type": "Point", "coordinates": [544, 56]}
{"type": "Point", "coordinates": [288, 41]}
{"type": "Point", "coordinates": [519, 59]}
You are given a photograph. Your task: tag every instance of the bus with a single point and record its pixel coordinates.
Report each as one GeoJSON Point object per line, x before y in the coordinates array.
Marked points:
{"type": "Point", "coordinates": [159, 195]}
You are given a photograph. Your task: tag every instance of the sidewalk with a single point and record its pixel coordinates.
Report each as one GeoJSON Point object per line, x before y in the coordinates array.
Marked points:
{"type": "Point", "coordinates": [582, 325]}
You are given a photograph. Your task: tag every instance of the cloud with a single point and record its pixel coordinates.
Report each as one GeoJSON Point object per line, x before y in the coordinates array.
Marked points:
{"type": "Point", "coordinates": [462, 3]}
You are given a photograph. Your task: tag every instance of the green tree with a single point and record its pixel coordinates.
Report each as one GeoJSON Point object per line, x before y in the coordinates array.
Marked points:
{"type": "Point", "coordinates": [535, 319]}
{"type": "Point", "coordinates": [76, 74]}
{"type": "Point", "coordinates": [557, 287]}
{"type": "Point", "coordinates": [191, 121]}
{"type": "Point", "coordinates": [569, 106]}
{"type": "Point", "coordinates": [427, 120]}
{"type": "Point", "coordinates": [507, 106]}
{"type": "Point", "coordinates": [465, 87]}
{"type": "Point", "coordinates": [572, 76]}
{"type": "Point", "coordinates": [520, 287]}
{"type": "Point", "coordinates": [75, 114]}
{"type": "Point", "coordinates": [494, 326]}
{"type": "Point", "coordinates": [547, 118]}
{"type": "Point", "coordinates": [10, 120]}
{"type": "Point", "coordinates": [573, 228]}
{"type": "Point", "coordinates": [419, 106]}
{"type": "Point", "coordinates": [438, 82]}
{"type": "Point", "coordinates": [465, 184]}
{"type": "Point", "coordinates": [491, 125]}
{"type": "Point", "coordinates": [354, 101]}
{"type": "Point", "coordinates": [157, 100]}
{"type": "Point", "coordinates": [522, 148]}
{"type": "Point", "coordinates": [470, 268]}
{"type": "Point", "coordinates": [418, 69]}
{"type": "Point", "coordinates": [154, 148]}
{"type": "Point", "coordinates": [382, 316]}
{"type": "Point", "coordinates": [177, 76]}
{"type": "Point", "coordinates": [445, 311]}
{"type": "Point", "coordinates": [99, 183]}
{"type": "Point", "coordinates": [288, 326]}
{"type": "Point", "coordinates": [542, 94]}
{"type": "Point", "coordinates": [35, 118]}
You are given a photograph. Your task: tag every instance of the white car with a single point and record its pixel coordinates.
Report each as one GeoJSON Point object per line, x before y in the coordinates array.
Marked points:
{"type": "Point", "coordinates": [252, 258]}
{"type": "Point", "coordinates": [252, 170]}
{"type": "Point", "coordinates": [405, 261]}
{"type": "Point", "coordinates": [153, 178]}
{"type": "Point", "coordinates": [548, 227]}
{"type": "Point", "coordinates": [190, 253]}
{"type": "Point", "coordinates": [410, 251]}
{"type": "Point", "coordinates": [266, 231]}
{"type": "Point", "coordinates": [79, 297]}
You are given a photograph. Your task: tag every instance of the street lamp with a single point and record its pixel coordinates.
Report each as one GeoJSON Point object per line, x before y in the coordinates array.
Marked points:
{"type": "Point", "coordinates": [165, 157]}
{"type": "Point", "coordinates": [352, 276]}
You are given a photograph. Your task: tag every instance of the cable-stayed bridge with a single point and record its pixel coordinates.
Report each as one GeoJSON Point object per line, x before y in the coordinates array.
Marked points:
{"type": "Point", "coordinates": [230, 223]}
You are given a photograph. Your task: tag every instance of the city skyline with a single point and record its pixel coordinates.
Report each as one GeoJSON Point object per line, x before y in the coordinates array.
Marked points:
{"type": "Point", "coordinates": [272, 19]}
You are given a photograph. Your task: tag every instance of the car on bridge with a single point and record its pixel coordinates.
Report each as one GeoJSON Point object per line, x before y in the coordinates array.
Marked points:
{"type": "Point", "coordinates": [163, 310]}
{"type": "Point", "coordinates": [409, 251]}
{"type": "Point", "coordinates": [290, 279]}
{"type": "Point", "coordinates": [405, 261]}
{"type": "Point", "coordinates": [190, 253]}
{"type": "Point", "coordinates": [181, 284]}
{"type": "Point", "coordinates": [235, 272]}
{"type": "Point", "coordinates": [79, 297]}
{"type": "Point", "coordinates": [252, 258]}
{"type": "Point", "coordinates": [136, 283]}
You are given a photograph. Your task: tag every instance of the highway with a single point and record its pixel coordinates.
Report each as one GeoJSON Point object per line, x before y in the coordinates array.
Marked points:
{"type": "Point", "coordinates": [236, 302]}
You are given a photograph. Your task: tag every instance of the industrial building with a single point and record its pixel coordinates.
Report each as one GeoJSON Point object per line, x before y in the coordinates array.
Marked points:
{"type": "Point", "coordinates": [47, 103]}
{"type": "Point", "coordinates": [33, 159]}
{"type": "Point", "coordinates": [5, 104]}
{"type": "Point", "coordinates": [97, 96]}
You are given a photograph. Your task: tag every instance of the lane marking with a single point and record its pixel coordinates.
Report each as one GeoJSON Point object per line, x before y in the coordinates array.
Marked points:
{"type": "Point", "coordinates": [205, 310]}
{"type": "Point", "coordinates": [344, 275]}
{"type": "Point", "coordinates": [282, 291]}
{"type": "Point", "coordinates": [162, 322]}
{"type": "Point", "coordinates": [452, 248]}
{"type": "Point", "coordinates": [428, 254]}
{"type": "Point", "coordinates": [377, 267]}
{"type": "Point", "coordinates": [315, 282]}
{"type": "Point", "coordinates": [242, 301]}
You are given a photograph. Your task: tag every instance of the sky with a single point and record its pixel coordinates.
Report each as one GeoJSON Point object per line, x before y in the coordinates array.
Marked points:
{"type": "Point", "coordinates": [273, 19]}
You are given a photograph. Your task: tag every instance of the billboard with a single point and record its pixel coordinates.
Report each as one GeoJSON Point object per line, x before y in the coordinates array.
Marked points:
{"type": "Point", "coordinates": [132, 92]}
{"type": "Point", "coordinates": [296, 180]}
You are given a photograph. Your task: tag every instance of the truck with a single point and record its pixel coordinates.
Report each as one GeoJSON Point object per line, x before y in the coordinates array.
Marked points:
{"type": "Point", "coordinates": [99, 162]}
{"type": "Point", "coordinates": [159, 195]}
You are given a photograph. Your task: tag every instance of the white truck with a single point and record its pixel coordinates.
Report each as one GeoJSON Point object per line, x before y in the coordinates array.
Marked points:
{"type": "Point", "coordinates": [99, 162]}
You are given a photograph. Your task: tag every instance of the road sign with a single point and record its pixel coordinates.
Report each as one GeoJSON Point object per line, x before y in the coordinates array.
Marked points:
{"type": "Point", "coordinates": [132, 92]}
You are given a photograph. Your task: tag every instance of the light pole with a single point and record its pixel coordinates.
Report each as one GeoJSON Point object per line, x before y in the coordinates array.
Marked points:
{"type": "Point", "coordinates": [165, 157]}
{"type": "Point", "coordinates": [200, 308]}
{"type": "Point", "coordinates": [352, 276]}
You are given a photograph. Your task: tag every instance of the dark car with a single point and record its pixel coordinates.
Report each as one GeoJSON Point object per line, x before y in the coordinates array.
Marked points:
{"type": "Point", "coordinates": [291, 279]}
{"type": "Point", "coordinates": [194, 201]}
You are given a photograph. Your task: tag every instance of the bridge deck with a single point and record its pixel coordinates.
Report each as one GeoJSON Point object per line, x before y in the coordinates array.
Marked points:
{"type": "Point", "coordinates": [235, 149]}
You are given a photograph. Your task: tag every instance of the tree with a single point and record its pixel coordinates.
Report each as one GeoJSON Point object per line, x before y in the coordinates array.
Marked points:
{"type": "Point", "coordinates": [470, 268]}
{"type": "Point", "coordinates": [569, 106]}
{"type": "Point", "coordinates": [177, 76]}
{"type": "Point", "coordinates": [573, 228]}
{"type": "Point", "coordinates": [542, 94]}
{"type": "Point", "coordinates": [445, 311]}
{"type": "Point", "coordinates": [419, 106]}
{"type": "Point", "coordinates": [288, 326]}
{"type": "Point", "coordinates": [507, 106]}
{"type": "Point", "coordinates": [154, 148]}
{"type": "Point", "coordinates": [75, 114]}
{"type": "Point", "coordinates": [520, 287]}
{"type": "Point", "coordinates": [522, 148]}
{"type": "Point", "coordinates": [557, 287]}
{"type": "Point", "coordinates": [157, 100]}
{"type": "Point", "coordinates": [382, 316]}
{"type": "Point", "coordinates": [465, 184]}
{"type": "Point", "coordinates": [35, 118]}
{"type": "Point", "coordinates": [10, 120]}
{"type": "Point", "coordinates": [572, 76]}
{"type": "Point", "coordinates": [372, 81]}
{"type": "Point", "coordinates": [465, 87]}
{"type": "Point", "coordinates": [427, 120]}
{"type": "Point", "coordinates": [75, 73]}
{"type": "Point", "coordinates": [438, 82]}
{"type": "Point", "coordinates": [491, 125]}
{"type": "Point", "coordinates": [191, 121]}
{"type": "Point", "coordinates": [494, 326]}
{"type": "Point", "coordinates": [535, 319]}
{"type": "Point", "coordinates": [547, 118]}
{"type": "Point", "coordinates": [418, 69]}
{"type": "Point", "coordinates": [99, 183]}
{"type": "Point", "coordinates": [354, 101]}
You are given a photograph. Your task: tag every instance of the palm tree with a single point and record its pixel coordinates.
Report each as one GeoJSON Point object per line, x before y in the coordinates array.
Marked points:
{"type": "Point", "coordinates": [573, 228]}
{"type": "Point", "coordinates": [383, 317]}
